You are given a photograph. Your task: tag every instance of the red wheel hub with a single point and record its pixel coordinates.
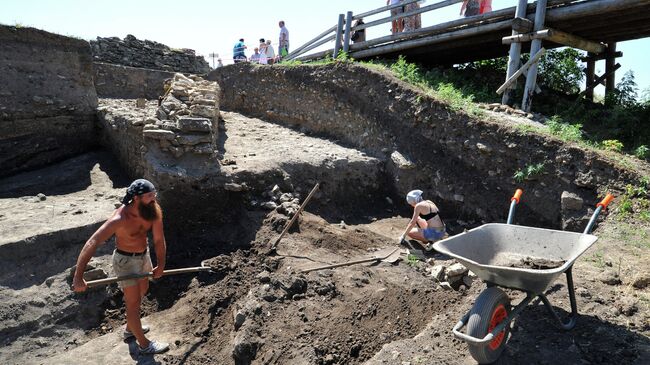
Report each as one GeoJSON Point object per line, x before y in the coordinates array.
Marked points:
{"type": "Point", "coordinates": [498, 316]}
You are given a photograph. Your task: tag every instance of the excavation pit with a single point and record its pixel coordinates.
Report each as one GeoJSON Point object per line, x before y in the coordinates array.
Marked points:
{"type": "Point", "coordinates": [229, 178]}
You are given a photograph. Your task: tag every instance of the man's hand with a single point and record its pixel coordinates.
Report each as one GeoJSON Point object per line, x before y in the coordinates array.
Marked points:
{"type": "Point", "coordinates": [79, 284]}
{"type": "Point", "coordinates": [157, 272]}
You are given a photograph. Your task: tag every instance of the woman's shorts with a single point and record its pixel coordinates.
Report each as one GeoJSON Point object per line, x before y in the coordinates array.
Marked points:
{"type": "Point", "coordinates": [433, 234]}
{"type": "Point", "coordinates": [128, 265]}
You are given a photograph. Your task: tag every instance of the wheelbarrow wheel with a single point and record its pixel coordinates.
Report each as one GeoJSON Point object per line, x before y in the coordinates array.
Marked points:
{"type": "Point", "coordinates": [491, 308]}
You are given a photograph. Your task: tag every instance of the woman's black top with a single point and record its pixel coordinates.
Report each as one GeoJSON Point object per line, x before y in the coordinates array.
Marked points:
{"type": "Point", "coordinates": [428, 215]}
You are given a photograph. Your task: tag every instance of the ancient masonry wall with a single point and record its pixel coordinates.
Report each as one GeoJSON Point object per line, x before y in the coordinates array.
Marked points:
{"type": "Point", "coordinates": [147, 54]}
{"type": "Point", "coordinates": [124, 82]}
{"type": "Point", "coordinates": [47, 98]}
{"type": "Point", "coordinates": [463, 163]}
{"type": "Point", "coordinates": [182, 131]}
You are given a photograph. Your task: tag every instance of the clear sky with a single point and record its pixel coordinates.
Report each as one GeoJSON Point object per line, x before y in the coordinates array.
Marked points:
{"type": "Point", "coordinates": [214, 26]}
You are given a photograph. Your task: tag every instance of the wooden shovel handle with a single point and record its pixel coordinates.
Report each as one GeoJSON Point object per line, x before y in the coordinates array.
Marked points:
{"type": "Point", "coordinates": [295, 216]}
{"type": "Point", "coordinates": [348, 263]}
{"type": "Point", "coordinates": [112, 280]}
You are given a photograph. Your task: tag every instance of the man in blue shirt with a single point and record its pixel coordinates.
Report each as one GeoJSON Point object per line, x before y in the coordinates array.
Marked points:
{"type": "Point", "coordinates": [238, 53]}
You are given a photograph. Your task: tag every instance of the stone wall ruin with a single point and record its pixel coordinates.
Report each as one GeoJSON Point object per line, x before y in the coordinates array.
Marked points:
{"type": "Point", "coordinates": [147, 54]}
{"type": "Point", "coordinates": [187, 118]}
{"type": "Point", "coordinates": [182, 131]}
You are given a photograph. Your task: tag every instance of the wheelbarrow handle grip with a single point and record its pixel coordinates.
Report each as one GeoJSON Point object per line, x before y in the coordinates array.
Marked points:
{"type": "Point", "coordinates": [517, 195]}
{"type": "Point", "coordinates": [599, 207]}
{"type": "Point", "coordinates": [606, 200]}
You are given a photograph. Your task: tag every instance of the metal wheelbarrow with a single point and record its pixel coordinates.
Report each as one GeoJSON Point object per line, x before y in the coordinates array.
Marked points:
{"type": "Point", "coordinates": [516, 257]}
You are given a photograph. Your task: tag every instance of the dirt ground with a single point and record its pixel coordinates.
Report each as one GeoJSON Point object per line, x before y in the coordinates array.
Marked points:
{"type": "Point", "coordinates": [257, 307]}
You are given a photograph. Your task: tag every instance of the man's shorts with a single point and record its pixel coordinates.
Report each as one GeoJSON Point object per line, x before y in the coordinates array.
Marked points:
{"type": "Point", "coordinates": [128, 265]}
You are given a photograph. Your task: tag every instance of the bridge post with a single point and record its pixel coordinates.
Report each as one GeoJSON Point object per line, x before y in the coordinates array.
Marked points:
{"type": "Point", "coordinates": [339, 30]}
{"type": "Point", "coordinates": [348, 25]}
{"type": "Point", "coordinates": [610, 63]}
{"type": "Point", "coordinates": [535, 46]}
{"type": "Point", "coordinates": [514, 57]}
{"type": "Point", "coordinates": [591, 75]}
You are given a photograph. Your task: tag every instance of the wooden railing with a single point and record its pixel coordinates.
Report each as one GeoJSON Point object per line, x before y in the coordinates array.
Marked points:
{"type": "Point", "coordinates": [341, 32]}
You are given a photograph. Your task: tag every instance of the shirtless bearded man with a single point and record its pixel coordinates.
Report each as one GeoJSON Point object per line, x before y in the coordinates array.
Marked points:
{"type": "Point", "coordinates": [139, 214]}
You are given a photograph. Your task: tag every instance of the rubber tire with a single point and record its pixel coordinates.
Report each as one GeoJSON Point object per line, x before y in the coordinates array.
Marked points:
{"type": "Point", "coordinates": [479, 322]}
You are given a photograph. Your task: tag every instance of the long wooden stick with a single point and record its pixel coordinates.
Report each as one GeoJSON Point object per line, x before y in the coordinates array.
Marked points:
{"type": "Point", "coordinates": [112, 280]}
{"type": "Point", "coordinates": [295, 216]}
{"type": "Point", "coordinates": [299, 49]}
{"type": "Point", "coordinates": [348, 263]}
{"type": "Point", "coordinates": [599, 80]}
{"type": "Point", "coordinates": [523, 69]}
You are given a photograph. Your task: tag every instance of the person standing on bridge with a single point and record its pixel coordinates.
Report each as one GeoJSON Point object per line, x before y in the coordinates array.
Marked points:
{"type": "Point", "coordinates": [475, 7]}
{"type": "Point", "coordinates": [426, 225]}
{"type": "Point", "coordinates": [130, 223]}
{"type": "Point", "coordinates": [470, 8]}
{"type": "Point", "coordinates": [397, 24]}
{"type": "Point", "coordinates": [283, 49]}
{"type": "Point", "coordinates": [486, 6]}
{"type": "Point", "coordinates": [238, 51]}
{"type": "Point", "coordinates": [270, 52]}
{"type": "Point", "coordinates": [412, 22]}
{"type": "Point", "coordinates": [358, 36]}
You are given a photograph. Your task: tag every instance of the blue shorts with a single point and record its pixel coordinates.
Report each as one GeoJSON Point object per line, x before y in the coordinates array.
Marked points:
{"type": "Point", "coordinates": [433, 234]}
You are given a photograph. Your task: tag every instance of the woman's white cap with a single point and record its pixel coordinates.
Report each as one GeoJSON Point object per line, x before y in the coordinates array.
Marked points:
{"type": "Point", "coordinates": [414, 196]}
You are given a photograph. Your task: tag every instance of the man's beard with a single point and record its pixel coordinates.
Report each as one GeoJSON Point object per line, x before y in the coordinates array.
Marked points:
{"type": "Point", "coordinates": [150, 212]}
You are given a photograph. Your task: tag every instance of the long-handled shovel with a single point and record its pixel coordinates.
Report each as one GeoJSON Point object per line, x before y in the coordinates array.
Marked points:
{"type": "Point", "coordinates": [293, 219]}
{"type": "Point", "coordinates": [389, 255]}
{"type": "Point", "coordinates": [112, 280]}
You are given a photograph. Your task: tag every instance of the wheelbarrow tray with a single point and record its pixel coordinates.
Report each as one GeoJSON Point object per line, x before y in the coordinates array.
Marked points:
{"type": "Point", "coordinates": [488, 251]}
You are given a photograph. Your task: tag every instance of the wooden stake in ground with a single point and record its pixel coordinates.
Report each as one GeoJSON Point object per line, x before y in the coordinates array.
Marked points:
{"type": "Point", "coordinates": [295, 216]}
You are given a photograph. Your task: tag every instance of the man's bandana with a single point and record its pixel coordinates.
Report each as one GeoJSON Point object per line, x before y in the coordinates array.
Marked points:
{"type": "Point", "coordinates": [138, 187]}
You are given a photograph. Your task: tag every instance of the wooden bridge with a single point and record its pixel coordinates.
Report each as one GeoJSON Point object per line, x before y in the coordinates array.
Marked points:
{"type": "Point", "coordinates": [590, 25]}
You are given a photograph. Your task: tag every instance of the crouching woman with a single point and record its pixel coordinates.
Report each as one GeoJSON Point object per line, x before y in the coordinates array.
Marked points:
{"type": "Point", "coordinates": [426, 225]}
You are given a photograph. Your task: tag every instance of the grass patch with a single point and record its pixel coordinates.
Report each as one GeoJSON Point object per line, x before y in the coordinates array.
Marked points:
{"type": "Point", "coordinates": [635, 202]}
{"type": "Point", "coordinates": [565, 131]}
{"type": "Point", "coordinates": [528, 128]}
{"type": "Point", "coordinates": [598, 258]}
{"type": "Point", "coordinates": [457, 98]}
{"type": "Point", "coordinates": [412, 260]}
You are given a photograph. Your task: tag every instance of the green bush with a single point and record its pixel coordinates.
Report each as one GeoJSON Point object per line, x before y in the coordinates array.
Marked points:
{"type": "Point", "coordinates": [561, 71]}
{"type": "Point", "coordinates": [612, 145]}
{"type": "Point", "coordinates": [407, 71]}
{"type": "Point", "coordinates": [642, 152]}
{"type": "Point", "coordinates": [529, 172]}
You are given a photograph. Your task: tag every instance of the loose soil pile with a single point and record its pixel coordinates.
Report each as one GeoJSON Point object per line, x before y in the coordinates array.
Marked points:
{"type": "Point", "coordinates": [536, 263]}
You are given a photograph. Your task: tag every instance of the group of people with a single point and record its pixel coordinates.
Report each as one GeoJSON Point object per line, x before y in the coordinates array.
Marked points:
{"type": "Point", "coordinates": [264, 53]}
